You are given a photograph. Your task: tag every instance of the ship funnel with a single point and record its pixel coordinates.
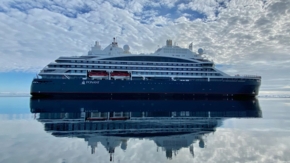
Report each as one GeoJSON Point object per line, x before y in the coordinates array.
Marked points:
{"type": "Point", "coordinates": [168, 42]}
{"type": "Point", "coordinates": [97, 45]}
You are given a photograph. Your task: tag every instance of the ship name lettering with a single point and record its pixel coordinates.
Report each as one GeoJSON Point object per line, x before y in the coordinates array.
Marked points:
{"type": "Point", "coordinates": [92, 82]}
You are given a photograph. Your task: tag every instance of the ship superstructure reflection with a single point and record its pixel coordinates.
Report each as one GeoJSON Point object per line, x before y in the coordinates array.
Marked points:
{"type": "Point", "coordinates": [171, 124]}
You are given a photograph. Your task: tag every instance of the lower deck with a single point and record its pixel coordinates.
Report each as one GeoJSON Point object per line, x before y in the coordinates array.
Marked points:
{"type": "Point", "coordinates": [88, 87]}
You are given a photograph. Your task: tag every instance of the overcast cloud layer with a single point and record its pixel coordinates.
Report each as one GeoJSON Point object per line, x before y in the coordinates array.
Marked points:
{"type": "Point", "coordinates": [243, 36]}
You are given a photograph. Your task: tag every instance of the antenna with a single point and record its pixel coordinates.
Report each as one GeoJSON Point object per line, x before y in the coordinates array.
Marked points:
{"type": "Point", "coordinates": [190, 46]}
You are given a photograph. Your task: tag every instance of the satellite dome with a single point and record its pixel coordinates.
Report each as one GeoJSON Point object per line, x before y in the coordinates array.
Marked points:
{"type": "Point", "coordinates": [201, 143]}
{"type": "Point", "coordinates": [126, 48]}
{"type": "Point", "coordinates": [124, 145]}
{"type": "Point", "coordinates": [200, 51]}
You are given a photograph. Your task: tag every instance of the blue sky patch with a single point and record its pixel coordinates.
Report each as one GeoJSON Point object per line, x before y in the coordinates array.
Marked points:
{"type": "Point", "coordinates": [54, 7]}
{"type": "Point", "coordinates": [170, 13]}
{"type": "Point", "coordinates": [2, 9]}
{"type": "Point", "coordinates": [16, 81]}
{"type": "Point", "coordinates": [193, 15]}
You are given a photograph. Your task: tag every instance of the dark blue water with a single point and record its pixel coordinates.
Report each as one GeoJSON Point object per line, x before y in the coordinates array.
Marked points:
{"type": "Point", "coordinates": [159, 130]}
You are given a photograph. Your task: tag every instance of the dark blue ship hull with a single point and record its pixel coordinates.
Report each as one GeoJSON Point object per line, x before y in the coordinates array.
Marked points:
{"type": "Point", "coordinates": [95, 88]}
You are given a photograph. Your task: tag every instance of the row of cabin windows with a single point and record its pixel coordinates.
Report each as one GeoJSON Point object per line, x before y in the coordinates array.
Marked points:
{"type": "Point", "coordinates": [132, 68]}
{"type": "Point", "coordinates": [175, 50]}
{"type": "Point", "coordinates": [61, 76]}
{"type": "Point", "coordinates": [158, 73]}
{"type": "Point", "coordinates": [148, 59]}
{"type": "Point", "coordinates": [105, 126]}
{"type": "Point", "coordinates": [135, 63]}
{"type": "Point", "coordinates": [140, 114]}
{"type": "Point", "coordinates": [175, 73]}
{"type": "Point", "coordinates": [77, 77]}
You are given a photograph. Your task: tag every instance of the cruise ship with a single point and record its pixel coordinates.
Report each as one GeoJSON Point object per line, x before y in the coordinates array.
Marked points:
{"type": "Point", "coordinates": [113, 71]}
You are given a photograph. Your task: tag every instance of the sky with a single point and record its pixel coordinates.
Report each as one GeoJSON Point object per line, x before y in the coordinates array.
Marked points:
{"type": "Point", "coordinates": [249, 37]}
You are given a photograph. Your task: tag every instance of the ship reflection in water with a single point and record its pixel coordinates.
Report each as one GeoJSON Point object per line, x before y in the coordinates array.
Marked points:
{"type": "Point", "coordinates": [172, 124]}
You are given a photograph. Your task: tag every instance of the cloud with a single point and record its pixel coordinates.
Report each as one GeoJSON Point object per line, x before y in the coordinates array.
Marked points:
{"type": "Point", "coordinates": [249, 35]}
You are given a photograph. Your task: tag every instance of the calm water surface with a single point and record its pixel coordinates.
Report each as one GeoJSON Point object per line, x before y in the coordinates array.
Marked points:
{"type": "Point", "coordinates": [75, 130]}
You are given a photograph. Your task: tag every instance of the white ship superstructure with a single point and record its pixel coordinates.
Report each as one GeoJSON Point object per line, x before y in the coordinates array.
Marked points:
{"type": "Point", "coordinates": [112, 63]}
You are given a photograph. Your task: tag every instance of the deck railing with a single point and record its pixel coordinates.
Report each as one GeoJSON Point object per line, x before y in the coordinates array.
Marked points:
{"type": "Point", "coordinates": [248, 76]}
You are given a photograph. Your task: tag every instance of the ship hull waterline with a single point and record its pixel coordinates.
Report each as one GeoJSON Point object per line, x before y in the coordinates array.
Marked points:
{"type": "Point", "coordinates": [95, 88]}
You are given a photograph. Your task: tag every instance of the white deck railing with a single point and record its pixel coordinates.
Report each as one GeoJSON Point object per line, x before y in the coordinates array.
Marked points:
{"type": "Point", "coordinates": [247, 76]}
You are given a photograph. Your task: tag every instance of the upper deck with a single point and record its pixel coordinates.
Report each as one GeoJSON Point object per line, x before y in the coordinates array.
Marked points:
{"type": "Point", "coordinates": [169, 61]}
